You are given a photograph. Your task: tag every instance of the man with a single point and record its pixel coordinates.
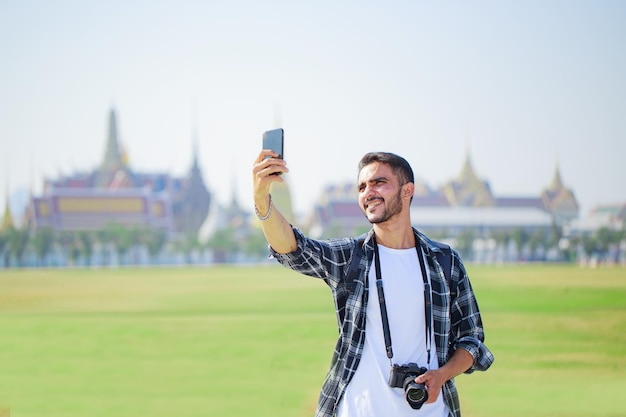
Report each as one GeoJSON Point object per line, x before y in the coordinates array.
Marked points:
{"type": "Point", "coordinates": [418, 306]}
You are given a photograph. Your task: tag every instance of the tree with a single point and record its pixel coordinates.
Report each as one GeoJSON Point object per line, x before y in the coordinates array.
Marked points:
{"type": "Point", "coordinates": [18, 239]}
{"type": "Point", "coordinates": [4, 239]}
{"type": "Point", "coordinates": [223, 243]}
{"type": "Point", "coordinates": [154, 239]}
{"type": "Point", "coordinates": [67, 240]}
{"type": "Point", "coordinates": [85, 241]}
{"type": "Point", "coordinates": [255, 244]}
{"type": "Point", "coordinates": [607, 240]}
{"type": "Point", "coordinates": [590, 244]}
{"type": "Point", "coordinates": [464, 242]}
{"type": "Point", "coordinates": [520, 237]}
{"type": "Point", "coordinates": [42, 241]}
{"type": "Point", "coordinates": [556, 234]}
{"type": "Point", "coordinates": [501, 238]}
{"type": "Point", "coordinates": [535, 240]}
{"type": "Point", "coordinates": [122, 237]}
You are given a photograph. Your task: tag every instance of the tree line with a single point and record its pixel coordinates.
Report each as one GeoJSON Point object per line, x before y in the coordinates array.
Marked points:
{"type": "Point", "coordinates": [120, 244]}
{"type": "Point", "coordinates": [604, 245]}
{"type": "Point", "coordinates": [44, 246]}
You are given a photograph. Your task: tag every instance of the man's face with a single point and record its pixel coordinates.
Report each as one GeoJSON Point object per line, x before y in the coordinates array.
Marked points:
{"type": "Point", "coordinates": [379, 193]}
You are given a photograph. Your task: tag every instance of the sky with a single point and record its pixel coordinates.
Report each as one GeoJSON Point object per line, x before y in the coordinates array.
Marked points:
{"type": "Point", "coordinates": [520, 87]}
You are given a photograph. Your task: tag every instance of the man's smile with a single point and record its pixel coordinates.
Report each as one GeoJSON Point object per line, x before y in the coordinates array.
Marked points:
{"type": "Point", "coordinates": [374, 202]}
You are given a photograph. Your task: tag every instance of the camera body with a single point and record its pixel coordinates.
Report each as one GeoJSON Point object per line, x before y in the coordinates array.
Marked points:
{"type": "Point", "coordinates": [403, 376]}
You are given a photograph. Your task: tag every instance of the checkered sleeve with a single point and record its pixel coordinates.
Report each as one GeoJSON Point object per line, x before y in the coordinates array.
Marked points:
{"type": "Point", "coordinates": [467, 325]}
{"type": "Point", "coordinates": [325, 259]}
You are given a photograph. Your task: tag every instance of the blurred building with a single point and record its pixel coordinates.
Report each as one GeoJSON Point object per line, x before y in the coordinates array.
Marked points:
{"type": "Point", "coordinates": [241, 221]}
{"type": "Point", "coordinates": [232, 217]}
{"type": "Point", "coordinates": [115, 193]}
{"type": "Point", "coordinates": [609, 216]}
{"type": "Point", "coordinates": [464, 202]}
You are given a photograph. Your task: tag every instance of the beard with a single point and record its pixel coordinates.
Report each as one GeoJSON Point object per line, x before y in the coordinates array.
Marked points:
{"type": "Point", "coordinates": [394, 207]}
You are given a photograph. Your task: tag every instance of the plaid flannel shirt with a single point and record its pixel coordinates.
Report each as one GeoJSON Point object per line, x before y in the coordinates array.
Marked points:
{"type": "Point", "coordinates": [456, 319]}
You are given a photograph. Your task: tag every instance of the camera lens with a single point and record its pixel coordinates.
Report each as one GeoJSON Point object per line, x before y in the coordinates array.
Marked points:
{"type": "Point", "coordinates": [416, 394]}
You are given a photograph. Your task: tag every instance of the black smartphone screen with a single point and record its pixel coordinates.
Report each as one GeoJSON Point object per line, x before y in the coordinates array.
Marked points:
{"type": "Point", "coordinates": [274, 140]}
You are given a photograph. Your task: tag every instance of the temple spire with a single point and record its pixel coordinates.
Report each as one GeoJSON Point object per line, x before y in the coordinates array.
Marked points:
{"type": "Point", "coordinates": [112, 155]}
{"type": "Point", "coordinates": [7, 217]}
{"type": "Point", "coordinates": [194, 137]}
{"type": "Point", "coordinates": [114, 171]}
{"type": "Point", "coordinates": [467, 174]}
{"type": "Point", "coordinates": [557, 181]}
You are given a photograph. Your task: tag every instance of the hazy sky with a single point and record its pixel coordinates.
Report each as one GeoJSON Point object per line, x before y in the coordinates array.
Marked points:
{"type": "Point", "coordinates": [521, 85]}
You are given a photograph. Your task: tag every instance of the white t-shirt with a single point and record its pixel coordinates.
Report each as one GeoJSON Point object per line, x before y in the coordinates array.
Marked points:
{"type": "Point", "coordinates": [369, 393]}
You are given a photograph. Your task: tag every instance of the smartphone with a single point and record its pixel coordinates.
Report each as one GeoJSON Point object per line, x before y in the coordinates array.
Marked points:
{"type": "Point", "coordinates": [274, 140]}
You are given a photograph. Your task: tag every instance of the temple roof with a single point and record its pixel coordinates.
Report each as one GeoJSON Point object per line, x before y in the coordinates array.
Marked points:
{"type": "Point", "coordinates": [467, 175]}
{"type": "Point", "coordinates": [114, 192]}
{"type": "Point", "coordinates": [558, 198]}
{"type": "Point", "coordinates": [467, 189]}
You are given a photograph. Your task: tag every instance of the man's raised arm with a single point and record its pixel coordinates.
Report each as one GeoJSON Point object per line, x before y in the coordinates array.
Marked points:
{"type": "Point", "coordinates": [276, 228]}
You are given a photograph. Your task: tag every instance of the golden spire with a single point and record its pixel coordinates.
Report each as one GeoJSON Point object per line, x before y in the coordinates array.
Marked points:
{"type": "Point", "coordinates": [557, 182]}
{"type": "Point", "coordinates": [467, 175]}
{"type": "Point", "coordinates": [113, 159]}
{"type": "Point", "coordinates": [7, 218]}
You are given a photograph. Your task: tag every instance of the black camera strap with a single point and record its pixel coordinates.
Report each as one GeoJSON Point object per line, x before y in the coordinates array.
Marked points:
{"type": "Point", "coordinates": [383, 307]}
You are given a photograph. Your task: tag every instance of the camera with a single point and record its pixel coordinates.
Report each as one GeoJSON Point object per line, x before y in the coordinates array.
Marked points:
{"type": "Point", "coordinates": [403, 376]}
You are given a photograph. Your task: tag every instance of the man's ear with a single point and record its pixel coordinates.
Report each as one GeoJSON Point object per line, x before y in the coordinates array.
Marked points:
{"type": "Point", "coordinates": [407, 190]}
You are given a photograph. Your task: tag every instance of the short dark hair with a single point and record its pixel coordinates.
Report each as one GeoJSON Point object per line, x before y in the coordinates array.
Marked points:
{"type": "Point", "coordinates": [400, 167]}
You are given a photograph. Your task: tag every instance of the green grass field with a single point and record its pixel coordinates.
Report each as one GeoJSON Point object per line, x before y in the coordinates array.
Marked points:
{"type": "Point", "coordinates": [257, 341]}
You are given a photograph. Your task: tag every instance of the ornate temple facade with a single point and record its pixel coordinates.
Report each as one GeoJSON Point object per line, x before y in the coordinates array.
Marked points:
{"type": "Point", "coordinates": [115, 193]}
{"type": "Point", "coordinates": [464, 202]}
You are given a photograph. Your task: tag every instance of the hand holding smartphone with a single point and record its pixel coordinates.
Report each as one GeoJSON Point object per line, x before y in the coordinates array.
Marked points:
{"type": "Point", "coordinates": [274, 140]}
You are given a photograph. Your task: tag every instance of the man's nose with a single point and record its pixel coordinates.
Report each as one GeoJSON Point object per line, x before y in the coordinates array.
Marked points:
{"type": "Point", "coordinates": [368, 192]}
